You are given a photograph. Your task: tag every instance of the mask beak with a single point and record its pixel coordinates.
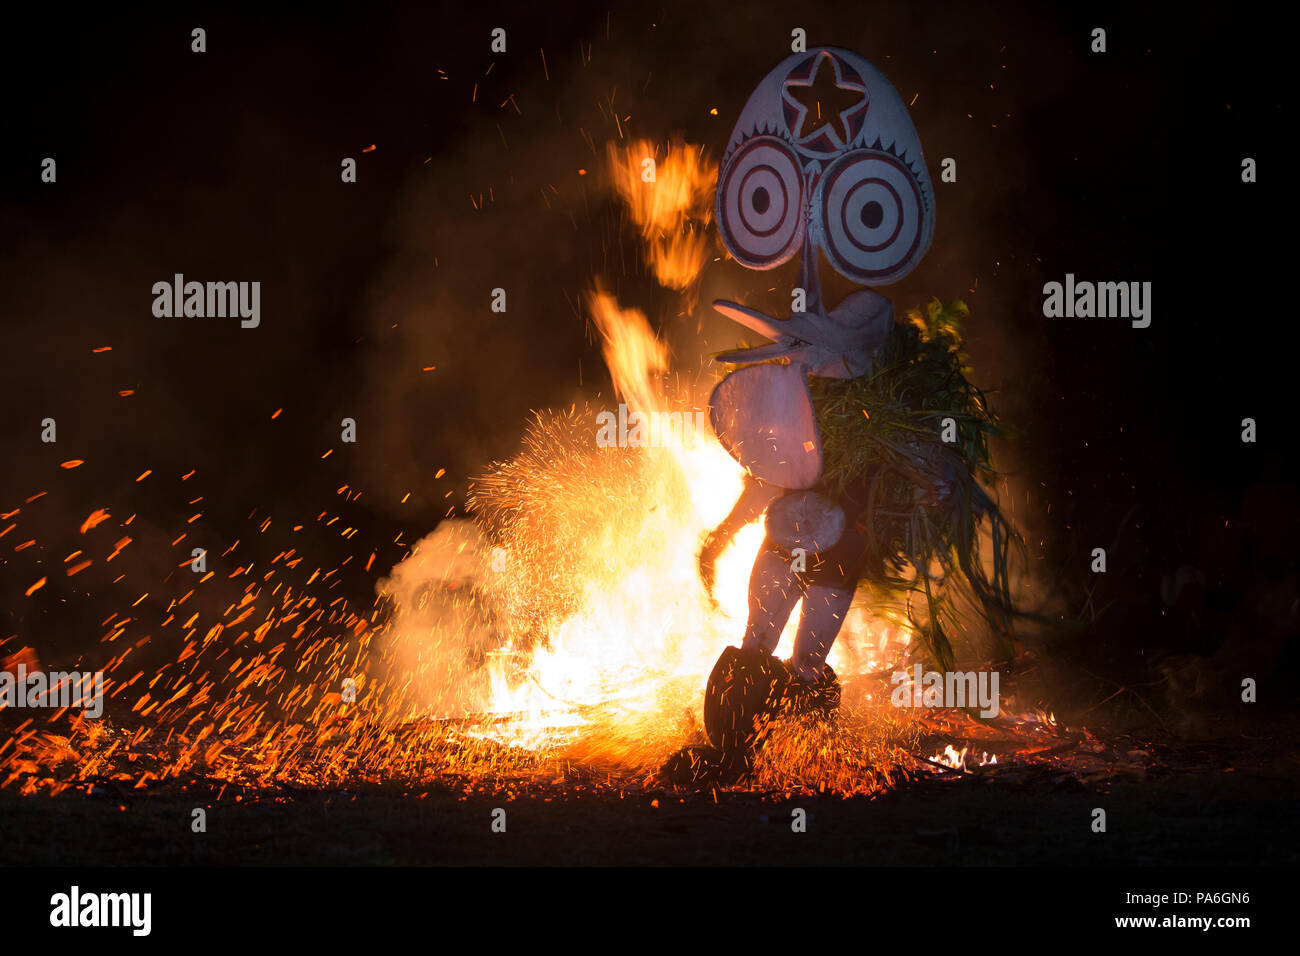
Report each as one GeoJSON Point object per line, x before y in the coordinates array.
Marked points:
{"type": "Point", "coordinates": [786, 343]}
{"type": "Point", "coordinates": [839, 345]}
{"type": "Point", "coordinates": [752, 319]}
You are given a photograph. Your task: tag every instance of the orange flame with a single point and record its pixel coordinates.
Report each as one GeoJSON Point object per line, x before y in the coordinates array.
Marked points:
{"type": "Point", "coordinates": [669, 199]}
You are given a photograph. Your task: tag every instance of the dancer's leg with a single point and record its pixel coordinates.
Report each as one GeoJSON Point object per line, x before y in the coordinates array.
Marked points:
{"type": "Point", "coordinates": [824, 610]}
{"type": "Point", "coordinates": [773, 592]}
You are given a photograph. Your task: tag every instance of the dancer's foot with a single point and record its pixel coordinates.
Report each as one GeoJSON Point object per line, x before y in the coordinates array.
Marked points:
{"type": "Point", "coordinates": [821, 697]}
{"type": "Point", "coordinates": [703, 766]}
{"type": "Point", "coordinates": [745, 693]}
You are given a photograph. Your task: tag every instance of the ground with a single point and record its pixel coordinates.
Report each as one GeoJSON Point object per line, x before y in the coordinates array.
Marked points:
{"type": "Point", "coordinates": [1227, 799]}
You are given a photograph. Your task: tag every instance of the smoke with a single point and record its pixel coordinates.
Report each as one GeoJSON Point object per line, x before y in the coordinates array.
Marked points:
{"type": "Point", "coordinates": [439, 633]}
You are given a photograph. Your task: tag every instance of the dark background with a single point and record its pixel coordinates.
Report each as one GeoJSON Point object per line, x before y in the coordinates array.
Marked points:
{"type": "Point", "coordinates": [225, 166]}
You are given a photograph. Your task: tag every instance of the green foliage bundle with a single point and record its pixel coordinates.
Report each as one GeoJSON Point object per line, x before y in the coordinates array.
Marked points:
{"type": "Point", "coordinates": [925, 498]}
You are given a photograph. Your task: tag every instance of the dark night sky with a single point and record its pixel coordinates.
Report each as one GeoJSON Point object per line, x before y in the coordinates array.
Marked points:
{"type": "Point", "coordinates": [225, 166]}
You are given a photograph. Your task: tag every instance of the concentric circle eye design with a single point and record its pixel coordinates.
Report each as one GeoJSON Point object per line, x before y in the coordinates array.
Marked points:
{"type": "Point", "coordinates": [760, 203]}
{"type": "Point", "coordinates": [875, 222]}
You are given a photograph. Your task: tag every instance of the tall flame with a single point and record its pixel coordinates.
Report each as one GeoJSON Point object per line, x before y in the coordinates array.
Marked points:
{"type": "Point", "coordinates": [598, 634]}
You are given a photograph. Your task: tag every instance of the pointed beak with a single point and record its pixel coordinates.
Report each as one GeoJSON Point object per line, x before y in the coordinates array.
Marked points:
{"type": "Point", "coordinates": [763, 324]}
{"type": "Point", "coordinates": [761, 353]}
{"type": "Point", "coordinates": [793, 338]}
{"type": "Point", "coordinates": [839, 345]}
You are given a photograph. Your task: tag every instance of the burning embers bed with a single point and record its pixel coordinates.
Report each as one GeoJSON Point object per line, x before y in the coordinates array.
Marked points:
{"type": "Point", "coordinates": [869, 748]}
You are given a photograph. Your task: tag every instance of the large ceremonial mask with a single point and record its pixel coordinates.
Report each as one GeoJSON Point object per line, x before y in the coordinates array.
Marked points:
{"type": "Point", "coordinates": [824, 158]}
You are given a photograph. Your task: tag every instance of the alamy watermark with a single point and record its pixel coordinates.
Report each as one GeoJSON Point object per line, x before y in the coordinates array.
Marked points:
{"type": "Point", "coordinates": [74, 908]}
{"type": "Point", "coordinates": [209, 300]}
{"type": "Point", "coordinates": [649, 429]}
{"type": "Point", "coordinates": [1098, 300]}
{"type": "Point", "coordinates": [948, 689]}
{"type": "Point", "coordinates": [56, 689]}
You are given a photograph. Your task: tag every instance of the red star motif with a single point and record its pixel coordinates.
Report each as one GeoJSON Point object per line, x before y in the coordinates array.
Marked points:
{"type": "Point", "coordinates": [823, 101]}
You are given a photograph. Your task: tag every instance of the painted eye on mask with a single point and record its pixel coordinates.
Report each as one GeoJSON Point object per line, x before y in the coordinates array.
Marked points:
{"type": "Point", "coordinates": [761, 203]}
{"type": "Point", "coordinates": [873, 217]}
